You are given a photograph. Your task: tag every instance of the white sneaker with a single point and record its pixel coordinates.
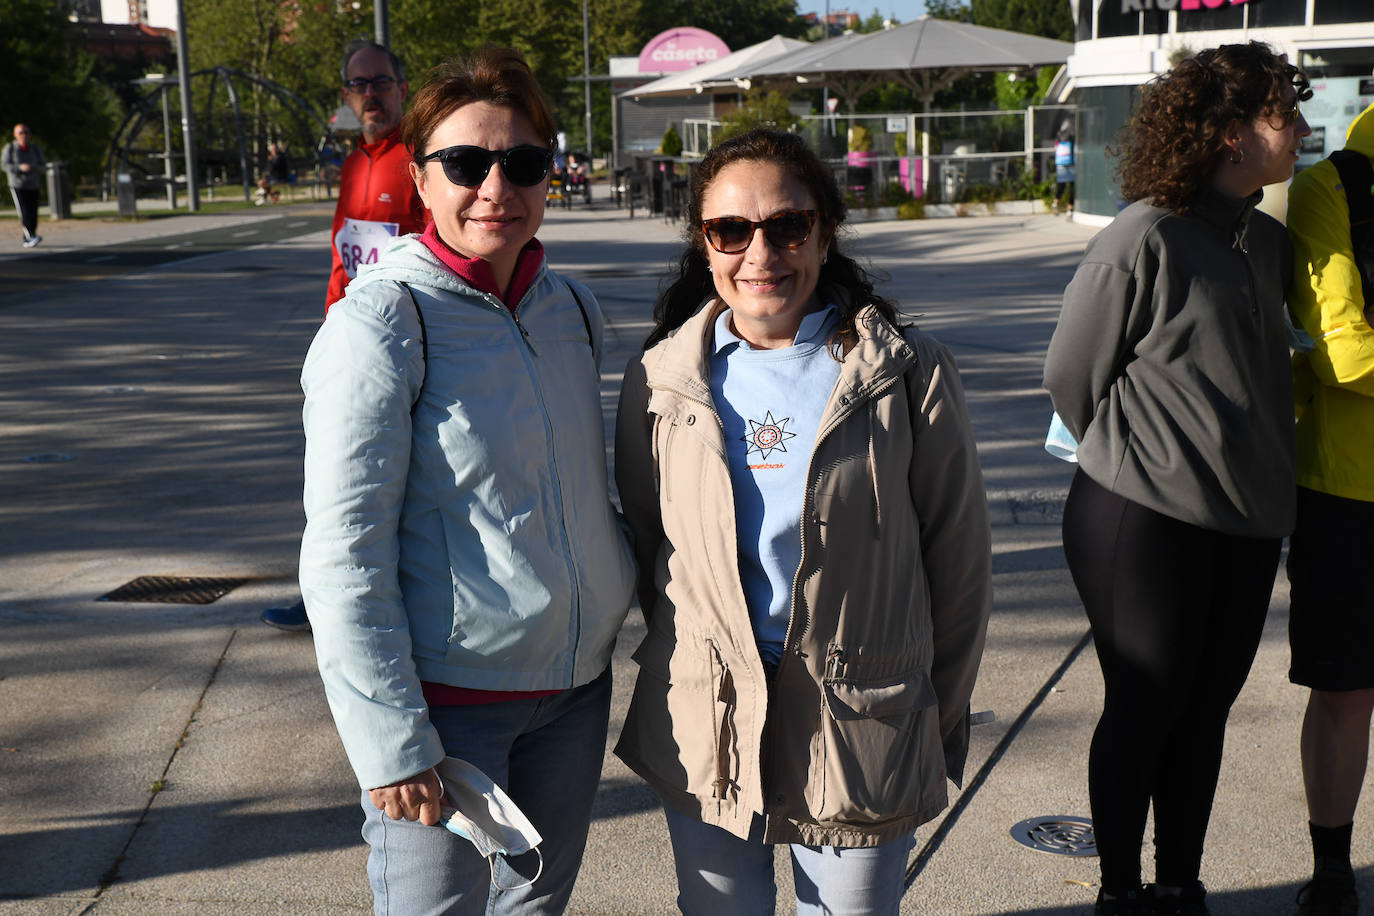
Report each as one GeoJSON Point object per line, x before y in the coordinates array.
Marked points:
{"type": "Point", "coordinates": [32, 241]}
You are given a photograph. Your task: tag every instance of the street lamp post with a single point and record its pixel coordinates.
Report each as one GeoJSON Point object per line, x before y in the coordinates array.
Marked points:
{"type": "Point", "coordinates": [188, 138]}
{"type": "Point", "coordinates": [587, 81]}
{"type": "Point", "coordinates": [381, 23]}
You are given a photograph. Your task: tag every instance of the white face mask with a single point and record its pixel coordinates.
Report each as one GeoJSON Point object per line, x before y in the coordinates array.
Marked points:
{"type": "Point", "coordinates": [479, 811]}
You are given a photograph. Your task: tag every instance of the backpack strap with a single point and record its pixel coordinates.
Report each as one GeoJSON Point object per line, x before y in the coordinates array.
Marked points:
{"type": "Point", "coordinates": [1357, 179]}
{"type": "Point", "coordinates": [586, 322]}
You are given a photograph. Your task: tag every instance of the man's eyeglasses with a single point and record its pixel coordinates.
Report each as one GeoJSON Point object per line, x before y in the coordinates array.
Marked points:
{"type": "Point", "coordinates": [784, 229]}
{"type": "Point", "coordinates": [467, 166]}
{"type": "Point", "coordinates": [359, 84]}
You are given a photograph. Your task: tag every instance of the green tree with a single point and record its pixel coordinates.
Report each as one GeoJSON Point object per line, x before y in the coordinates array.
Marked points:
{"type": "Point", "coordinates": [739, 23]}
{"type": "Point", "coordinates": [874, 22]}
{"type": "Point", "coordinates": [49, 85]}
{"type": "Point", "coordinates": [949, 9]}
{"type": "Point", "coordinates": [1047, 18]}
{"type": "Point", "coordinates": [760, 109]}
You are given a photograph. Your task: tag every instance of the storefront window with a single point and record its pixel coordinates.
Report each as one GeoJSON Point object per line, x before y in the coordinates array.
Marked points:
{"type": "Point", "coordinates": [1329, 11]}
{"type": "Point", "coordinates": [1267, 13]}
{"type": "Point", "coordinates": [1101, 113]}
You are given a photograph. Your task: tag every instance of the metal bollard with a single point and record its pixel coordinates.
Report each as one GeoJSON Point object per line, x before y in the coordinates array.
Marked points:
{"type": "Point", "coordinates": [125, 192]}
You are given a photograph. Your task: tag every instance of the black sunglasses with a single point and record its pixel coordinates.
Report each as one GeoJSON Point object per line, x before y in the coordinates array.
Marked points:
{"type": "Point", "coordinates": [359, 84]}
{"type": "Point", "coordinates": [784, 229]}
{"type": "Point", "coordinates": [467, 166]}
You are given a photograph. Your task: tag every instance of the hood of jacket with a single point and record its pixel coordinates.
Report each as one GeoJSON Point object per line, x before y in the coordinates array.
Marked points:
{"type": "Point", "coordinates": [1360, 136]}
{"type": "Point", "coordinates": [408, 260]}
{"type": "Point", "coordinates": [682, 361]}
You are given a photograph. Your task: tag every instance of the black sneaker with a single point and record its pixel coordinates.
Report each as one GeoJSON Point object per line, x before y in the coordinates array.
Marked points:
{"type": "Point", "coordinates": [1190, 902]}
{"type": "Point", "coordinates": [288, 618]}
{"type": "Point", "coordinates": [1329, 895]}
{"type": "Point", "coordinates": [1134, 902]}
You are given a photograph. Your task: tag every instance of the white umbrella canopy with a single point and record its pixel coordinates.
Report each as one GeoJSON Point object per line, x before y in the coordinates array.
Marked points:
{"type": "Point", "coordinates": [719, 72]}
{"type": "Point", "coordinates": [927, 55]}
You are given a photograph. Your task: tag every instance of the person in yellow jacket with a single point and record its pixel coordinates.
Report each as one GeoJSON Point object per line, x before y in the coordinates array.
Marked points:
{"type": "Point", "coordinates": [1331, 624]}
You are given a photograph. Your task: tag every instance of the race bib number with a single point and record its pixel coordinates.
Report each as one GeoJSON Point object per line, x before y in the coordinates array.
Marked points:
{"type": "Point", "coordinates": [360, 241]}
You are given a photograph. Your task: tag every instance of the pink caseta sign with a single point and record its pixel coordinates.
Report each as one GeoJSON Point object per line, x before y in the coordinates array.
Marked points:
{"type": "Point", "coordinates": [680, 49]}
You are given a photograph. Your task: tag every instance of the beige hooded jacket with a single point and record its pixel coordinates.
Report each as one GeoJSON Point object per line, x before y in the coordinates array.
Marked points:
{"type": "Point", "coordinates": [867, 713]}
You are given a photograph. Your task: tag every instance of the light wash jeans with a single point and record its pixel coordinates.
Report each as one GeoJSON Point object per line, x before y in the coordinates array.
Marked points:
{"type": "Point", "coordinates": [718, 874]}
{"type": "Point", "coordinates": [546, 753]}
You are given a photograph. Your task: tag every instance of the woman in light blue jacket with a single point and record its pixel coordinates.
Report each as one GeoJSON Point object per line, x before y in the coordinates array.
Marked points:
{"type": "Point", "coordinates": [462, 566]}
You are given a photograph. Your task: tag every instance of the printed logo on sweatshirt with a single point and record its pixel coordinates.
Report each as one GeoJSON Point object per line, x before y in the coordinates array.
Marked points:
{"type": "Point", "coordinates": [766, 437]}
{"type": "Point", "coordinates": [384, 198]}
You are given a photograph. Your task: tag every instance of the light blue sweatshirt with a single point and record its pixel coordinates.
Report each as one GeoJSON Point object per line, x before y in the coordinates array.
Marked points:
{"type": "Point", "coordinates": [770, 403]}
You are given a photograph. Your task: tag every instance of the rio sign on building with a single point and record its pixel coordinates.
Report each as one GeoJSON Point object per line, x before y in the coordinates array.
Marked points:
{"type": "Point", "coordinates": [1139, 6]}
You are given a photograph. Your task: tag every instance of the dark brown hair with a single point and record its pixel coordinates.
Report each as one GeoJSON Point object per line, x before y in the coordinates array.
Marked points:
{"type": "Point", "coordinates": [842, 280]}
{"type": "Point", "coordinates": [1177, 136]}
{"type": "Point", "coordinates": [498, 76]}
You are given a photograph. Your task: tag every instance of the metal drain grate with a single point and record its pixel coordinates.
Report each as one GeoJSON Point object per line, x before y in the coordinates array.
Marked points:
{"type": "Point", "coordinates": [173, 590]}
{"type": "Point", "coordinates": [1060, 835]}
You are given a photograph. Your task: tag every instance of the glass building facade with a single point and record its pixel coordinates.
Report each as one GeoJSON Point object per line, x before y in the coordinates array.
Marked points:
{"type": "Point", "coordinates": [1122, 44]}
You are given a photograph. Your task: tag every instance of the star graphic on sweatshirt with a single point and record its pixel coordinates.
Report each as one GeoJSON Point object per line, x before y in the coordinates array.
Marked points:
{"type": "Point", "coordinates": [767, 436]}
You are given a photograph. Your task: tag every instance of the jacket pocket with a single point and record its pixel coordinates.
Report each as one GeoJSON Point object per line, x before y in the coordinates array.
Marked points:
{"type": "Point", "coordinates": [873, 747]}
{"type": "Point", "coordinates": [681, 723]}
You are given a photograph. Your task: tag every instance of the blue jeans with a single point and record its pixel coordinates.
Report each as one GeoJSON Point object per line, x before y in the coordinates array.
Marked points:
{"type": "Point", "coordinates": [546, 753]}
{"type": "Point", "coordinates": [718, 874]}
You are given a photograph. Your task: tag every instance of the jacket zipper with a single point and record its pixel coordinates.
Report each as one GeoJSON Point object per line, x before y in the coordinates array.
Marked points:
{"type": "Point", "coordinates": [1238, 244]}
{"type": "Point", "coordinates": [565, 539]}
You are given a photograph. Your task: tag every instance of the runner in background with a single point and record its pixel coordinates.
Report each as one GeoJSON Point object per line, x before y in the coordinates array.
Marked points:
{"type": "Point", "coordinates": [377, 198]}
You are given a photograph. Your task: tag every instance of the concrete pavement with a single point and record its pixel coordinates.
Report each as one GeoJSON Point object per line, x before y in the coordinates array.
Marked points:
{"type": "Point", "coordinates": [180, 758]}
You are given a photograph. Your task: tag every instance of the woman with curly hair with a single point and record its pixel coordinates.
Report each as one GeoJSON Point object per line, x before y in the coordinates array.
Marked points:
{"type": "Point", "coordinates": [800, 475]}
{"type": "Point", "coordinates": [1170, 367]}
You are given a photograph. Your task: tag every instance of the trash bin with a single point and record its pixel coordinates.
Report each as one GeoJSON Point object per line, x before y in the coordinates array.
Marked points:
{"type": "Point", "coordinates": [59, 191]}
{"type": "Point", "coordinates": [124, 191]}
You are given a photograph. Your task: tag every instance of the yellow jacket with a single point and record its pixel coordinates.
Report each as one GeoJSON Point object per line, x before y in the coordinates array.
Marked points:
{"type": "Point", "coordinates": [1334, 383]}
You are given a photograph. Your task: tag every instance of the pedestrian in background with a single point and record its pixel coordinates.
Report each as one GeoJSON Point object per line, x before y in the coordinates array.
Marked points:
{"type": "Point", "coordinates": [23, 163]}
{"type": "Point", "coordinates": [278, 172]}
{"type": "Point", "coordinates": [799, 472]}
{"type": "Point", "coordinates": [1169, 366]}
{"type": "Point", "coordinates": [1331, 617]}
{"type": "Point", "coordinates": [1065, 157]}
{"type": "Point", "coordinates": [377, 198]}
{"type": "Point", "coordinates": [463, 567]}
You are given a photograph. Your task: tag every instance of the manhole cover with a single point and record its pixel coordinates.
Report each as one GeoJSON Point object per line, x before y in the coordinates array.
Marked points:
{"type": "Point", "coordinates": [173, 590]}
{"type": "Point", "coordinates": [1061, 835]}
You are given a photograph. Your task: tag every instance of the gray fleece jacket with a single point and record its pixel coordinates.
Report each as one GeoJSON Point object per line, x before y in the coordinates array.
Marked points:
{"type": "Point", "coordinates": [1170, 364]}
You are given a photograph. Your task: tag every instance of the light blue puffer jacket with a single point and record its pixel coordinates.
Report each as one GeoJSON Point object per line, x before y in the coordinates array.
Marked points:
{"type": "Point", "coordinates": [472, 541]}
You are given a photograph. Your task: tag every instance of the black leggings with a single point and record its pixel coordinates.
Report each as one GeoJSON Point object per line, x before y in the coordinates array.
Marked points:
{"type": "Point", "coordinates": [1176, 614]}
{"type": "Point", "coordinates": [26, 202]}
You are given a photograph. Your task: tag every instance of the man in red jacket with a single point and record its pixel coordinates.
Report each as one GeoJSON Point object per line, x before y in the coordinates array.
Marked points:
{"type": "Point", "coordinates": [377, 198]}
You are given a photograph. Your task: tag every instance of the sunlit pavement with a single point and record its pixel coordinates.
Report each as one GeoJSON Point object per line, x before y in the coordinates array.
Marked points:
{"type": "Point", "coordinates": [173, 758]}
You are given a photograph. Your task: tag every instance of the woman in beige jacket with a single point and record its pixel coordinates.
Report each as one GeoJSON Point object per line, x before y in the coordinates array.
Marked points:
{"type": "Point", "coordinates": [812, 535]}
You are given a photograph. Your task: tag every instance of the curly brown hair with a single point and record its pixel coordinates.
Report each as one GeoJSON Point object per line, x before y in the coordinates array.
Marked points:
{"type": "Point", "coordinates": [1177, 136]}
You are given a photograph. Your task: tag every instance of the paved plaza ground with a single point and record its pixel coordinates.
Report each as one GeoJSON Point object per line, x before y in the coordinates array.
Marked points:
{"type": "Point", "coordinates": [180, 759]}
